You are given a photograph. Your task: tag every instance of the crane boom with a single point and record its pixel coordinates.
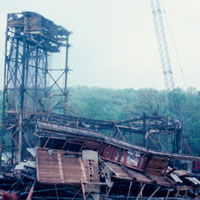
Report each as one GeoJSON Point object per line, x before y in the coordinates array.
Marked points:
{"type": "Point", "coordinates": [173, 102]}
{"type": "Point", "coordinates": [166, 63]}
{"type": "Point", "coordinates": [162, 45]}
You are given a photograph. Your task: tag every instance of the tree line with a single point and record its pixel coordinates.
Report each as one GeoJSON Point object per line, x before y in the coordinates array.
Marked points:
{"type": "Point", "coordinates": [122, 104]}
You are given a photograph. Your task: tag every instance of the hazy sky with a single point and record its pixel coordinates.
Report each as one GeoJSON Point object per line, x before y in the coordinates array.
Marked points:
{"type": "Point", "coordinates": [114, 43]}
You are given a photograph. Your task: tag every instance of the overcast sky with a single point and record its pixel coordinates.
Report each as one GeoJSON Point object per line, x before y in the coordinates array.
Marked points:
{"type": "Point", "coordinates": [114, 43]}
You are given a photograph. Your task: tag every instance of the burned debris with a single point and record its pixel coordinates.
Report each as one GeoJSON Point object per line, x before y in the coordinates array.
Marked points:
{"type": "Point", "coordinates": [47, 154]}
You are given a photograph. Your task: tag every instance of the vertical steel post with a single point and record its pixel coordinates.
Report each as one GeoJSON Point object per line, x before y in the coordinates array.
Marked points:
{"type": "Point", "coordinates": [144, 129]}
{"type": "Point", "coordinates": [36, 81]}
{"type": "Point", "coordinates": [4, 97]}
{"type": "Point", "coordinates": [16, 70]}
{"type": "Point", "coordinates": [22, 89]}
{"type": "Point", "coordinates": [27, 78]}
{"type": "Point", "coordinates": [66, 75]}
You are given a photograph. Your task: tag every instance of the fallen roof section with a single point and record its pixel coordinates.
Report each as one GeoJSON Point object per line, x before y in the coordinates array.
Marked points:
{"type": "Point", "coordinates": [48, 128]}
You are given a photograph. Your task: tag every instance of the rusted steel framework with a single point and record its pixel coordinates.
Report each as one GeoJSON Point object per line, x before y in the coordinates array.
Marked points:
{"type": "Point", "coordinates": [30, 81]}
{"type": "Point", "coordinates": [153, 132]}
{"type": "Point", "coordinates": [74, 161]}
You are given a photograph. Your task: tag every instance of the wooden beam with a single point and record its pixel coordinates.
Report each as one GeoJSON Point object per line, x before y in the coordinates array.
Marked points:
{"type": "Point", "coordinates": [57, 198]}
{"type": "Point", "coordinates": [65, 143]}
{"type": "Point", "coordinates": [120, 133]}
{"type": "Point", "coordinates": [31, 191]}
{"type": "Point", "coordinates": [140, 193]}
{"type": "Point", "coordinates": [130, 186]}
{"type": "Point", "coordinates": [62, 179]}
{"type": "Point", "coordinates": [154, 192]}
{"type": "Point", "coordinates": [76, 194]}
{"type": "Point", "coordinates": [177, 193]}
{"type": "Point", "coordinates": [107, 193]}
{"type": "Point", "coordinates": [168, 192]}
{"type": "Point", "coordinates": [46, 142]}
{"type": "Point", "coordinates": [186, 192]}
{"type": "Point", "coordinates": [83, 190]}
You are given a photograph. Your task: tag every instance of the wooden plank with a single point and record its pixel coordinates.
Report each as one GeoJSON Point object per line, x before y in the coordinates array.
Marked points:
{"type": "Point", "coordinates": [60, 168]}
{"type": "Point", "coordinates": [56, 168]}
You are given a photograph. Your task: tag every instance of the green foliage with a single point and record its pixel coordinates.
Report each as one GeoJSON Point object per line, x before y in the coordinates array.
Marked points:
{"type": "Point", "coordinates": [99, 103]}
{"type": "Point", "coordinates": [122, 104]}
{"type": "Point", "coordinates": [117, 104]}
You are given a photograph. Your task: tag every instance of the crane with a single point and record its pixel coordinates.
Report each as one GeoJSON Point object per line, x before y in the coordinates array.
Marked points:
{"type": "Point", "coordinates": [166, 63]}
{"type": "Point", "coordinates": [162, 45]}
{"type": "Point", "coordinates": [164, 56]}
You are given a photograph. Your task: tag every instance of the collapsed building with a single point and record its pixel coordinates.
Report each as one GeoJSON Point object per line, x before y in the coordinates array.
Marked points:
{"type": "Point", "coordinates": [47, 154]}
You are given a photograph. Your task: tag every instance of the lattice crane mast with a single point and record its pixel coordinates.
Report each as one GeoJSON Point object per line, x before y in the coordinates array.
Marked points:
{"type": "Point", "coordinates": [166, 64]}
{"type": "Point", "coordinates": [162, 45]}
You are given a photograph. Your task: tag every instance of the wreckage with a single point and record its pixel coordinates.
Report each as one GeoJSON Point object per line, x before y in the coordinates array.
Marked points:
{"type": "Point", "coordinates": [72, 159]}
{"type": "Point", "coordinates": [46, 155]}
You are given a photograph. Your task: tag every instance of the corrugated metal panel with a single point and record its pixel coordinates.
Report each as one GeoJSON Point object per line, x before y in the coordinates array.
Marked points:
{"type": "Point", "coordinates": [138, 176]}
{"type": "Point", "coordinates": [54, 167]}
{"type": "Point", "coordinates": [118, 171]}
{"type": "Point", "coordinates": [126, 173]}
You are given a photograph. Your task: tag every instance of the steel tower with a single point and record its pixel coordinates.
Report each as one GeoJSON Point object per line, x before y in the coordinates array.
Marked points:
{"type": "Point", "coordinates": [31, 84]}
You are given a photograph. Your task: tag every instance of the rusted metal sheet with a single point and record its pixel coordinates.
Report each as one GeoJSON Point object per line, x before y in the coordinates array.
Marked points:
{"type": "Point", "coordinates": [156, 165]}
{"type": "Point", "coordinates": [137, 176]}
{"type": "Point", "coordinates": [118, 171]}
{"type": "Point", "coordinates": [160, 180]}
{"type": "Point", "coordinates": [56, 167]}
{"type": "Point", "coordinates": [16, 23]}
{"type": "Point", "coordinates": [130, 174]}
{"type": "Point", "coordinates": [126, 173]}
{"type": "Point", "coordinates": [33, 24]}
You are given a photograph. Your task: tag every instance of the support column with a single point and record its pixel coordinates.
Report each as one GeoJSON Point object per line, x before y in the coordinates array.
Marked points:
{"type": "Point", "coordinates": [19, 158]}
{"type": "Point", "coordinates": [66, 75]}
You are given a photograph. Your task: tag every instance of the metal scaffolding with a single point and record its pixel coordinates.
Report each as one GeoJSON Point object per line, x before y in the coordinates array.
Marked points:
{"type": "Point", "coordinates": [30, 82]}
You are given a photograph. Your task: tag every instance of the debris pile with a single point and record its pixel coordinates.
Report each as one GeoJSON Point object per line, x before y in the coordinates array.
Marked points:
{"type": "Point", "coordinates": [74, 162]}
